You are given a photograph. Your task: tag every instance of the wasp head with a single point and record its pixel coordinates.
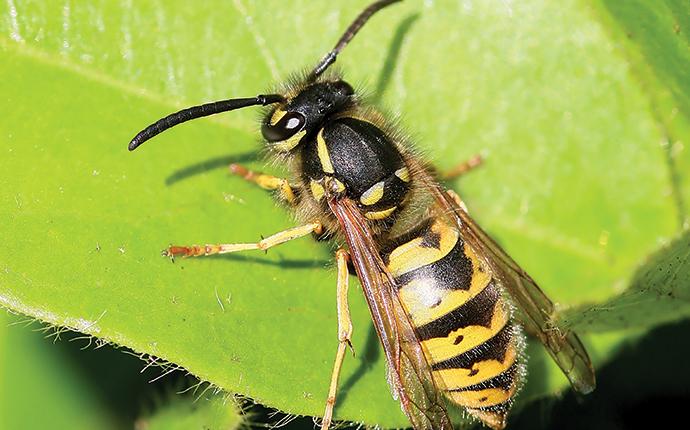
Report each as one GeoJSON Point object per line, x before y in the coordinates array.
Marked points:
{"type": "Point", "coordinates": [301, 116]}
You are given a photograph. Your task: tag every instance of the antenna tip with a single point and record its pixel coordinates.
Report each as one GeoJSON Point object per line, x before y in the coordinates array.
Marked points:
{"type": "Point", "coordinates": [134, 144]}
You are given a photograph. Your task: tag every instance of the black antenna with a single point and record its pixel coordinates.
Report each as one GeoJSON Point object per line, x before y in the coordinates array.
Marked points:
{"type": "Point", "coordinates": [356, 25]}
{"type": "Point", "coordinates": [199, 111]}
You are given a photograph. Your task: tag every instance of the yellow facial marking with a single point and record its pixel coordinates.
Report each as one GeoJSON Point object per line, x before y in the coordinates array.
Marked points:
{"type": "Point", "coordinates": [373, 194]}
{"type": "Point", "coordinates": [480, 398]}
{"type": "Point", "coordinates": [277, 115]}
{"type": "Point", "coordinates": [380, 214]}
{"type": "Point", "coordinates": [452, 379]}
{"type": "Point", "coordinates": [462, 340]}
{"type": "Point", "coordinates": [290, 143]}
{"type": "Point", "coordinates": [316, 189]}
{"type": "Point", "coordinates": [412, 255]}
{"type": "Point", "coordinates": [322, 151]}
{"type": "Point", "coordinates": [403, 174]}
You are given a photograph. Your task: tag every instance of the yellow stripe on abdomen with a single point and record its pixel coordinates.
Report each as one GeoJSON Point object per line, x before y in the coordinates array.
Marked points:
{"type": "Point", "coordinates": [465, 338]}
{"type": "Point", "coordinates": [482, 398]}
{"type": "Point", "coordinates": [460, 318]}
{"type": "Point", "coordinates": [435, 243]}
{"type": "Point", "coordinates": [481, 371]}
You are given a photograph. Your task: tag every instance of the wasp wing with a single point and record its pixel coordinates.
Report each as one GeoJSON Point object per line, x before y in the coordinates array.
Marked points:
{"type": "Point", "coordinates": [535, 308]}
{"type": "Point", "coordinates": [409, 374]}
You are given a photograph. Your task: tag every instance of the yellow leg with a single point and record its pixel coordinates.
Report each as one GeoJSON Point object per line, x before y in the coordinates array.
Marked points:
{"type": "Point", "coordinates": [264, 244]}
{"type": "Point", "coordinates": [463, 167]}
{"type": "Point", "coordinates": [344, 334]}
{"type": "Point", "coordinates": [267, 182]}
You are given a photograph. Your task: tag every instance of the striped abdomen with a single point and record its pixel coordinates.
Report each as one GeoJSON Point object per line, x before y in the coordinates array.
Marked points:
{"type": "Point", "coordinates": [461, 319]}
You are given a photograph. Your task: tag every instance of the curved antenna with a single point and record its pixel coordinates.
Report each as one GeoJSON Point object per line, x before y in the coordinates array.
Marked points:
{"type": "Point", "coordinates": [200, 111]}
{"type": "Point", "coordinates": [351, 31]}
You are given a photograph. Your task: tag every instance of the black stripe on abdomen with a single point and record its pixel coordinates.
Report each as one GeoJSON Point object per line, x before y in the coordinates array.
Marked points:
{"type": "Point", "coordinates": [504, 380]}
{"type": "Point", "coordinates": [493, 349]}
{"type": "Point", "coordinates": [453, 271]}
{"type": "Point", "coordinates": [478, 311]}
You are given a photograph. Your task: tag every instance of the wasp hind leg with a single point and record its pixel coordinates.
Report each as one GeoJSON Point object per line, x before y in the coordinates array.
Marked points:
{"type": "Point", "coordinates": [263, 244]}
{"type": "Point", "coordinates": [267, 182]}
{"type": "Point", "coordinates": [344, 334]}
{"type": "Point", "coordinates": [462, 168]}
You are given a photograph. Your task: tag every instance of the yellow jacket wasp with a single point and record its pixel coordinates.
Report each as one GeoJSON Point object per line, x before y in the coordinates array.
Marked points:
{"type": "Point", "coordinates": [447, 302]}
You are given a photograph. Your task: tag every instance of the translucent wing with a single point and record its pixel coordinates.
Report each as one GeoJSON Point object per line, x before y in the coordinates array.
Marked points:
{"type": "Point", "coordinates": [409, 374]}
{"type": "Point", "coordinates": [535, 308]}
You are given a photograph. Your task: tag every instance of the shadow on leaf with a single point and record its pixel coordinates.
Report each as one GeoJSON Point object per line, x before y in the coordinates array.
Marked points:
{"type": "Point", "coordinates": [210, 164]}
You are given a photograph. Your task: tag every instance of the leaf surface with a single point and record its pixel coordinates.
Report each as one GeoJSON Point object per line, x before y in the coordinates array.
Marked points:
{"type": "Point", "coordinates": [579, 181]}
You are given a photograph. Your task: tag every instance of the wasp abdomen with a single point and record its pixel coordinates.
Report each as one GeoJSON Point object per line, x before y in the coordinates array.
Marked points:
{"type": "Point", "coordinates": [460, 317]}
{"type": "Point", "coordinates": [363, 158]}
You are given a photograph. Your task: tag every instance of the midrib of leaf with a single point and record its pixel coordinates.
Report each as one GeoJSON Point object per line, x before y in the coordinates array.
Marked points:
{"type": "Point", "coordinates": [648, 79]}
{"type": "Point", "coordinates": [66, 63]}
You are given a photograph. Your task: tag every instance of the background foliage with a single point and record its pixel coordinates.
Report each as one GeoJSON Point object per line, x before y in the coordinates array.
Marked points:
{"type": "Point", "coordinates": [579, 108]}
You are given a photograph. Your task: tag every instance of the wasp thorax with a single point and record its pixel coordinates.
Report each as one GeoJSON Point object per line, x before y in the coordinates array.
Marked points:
{"type": "Point", "coordinates": [304, 114]}
{"type": "Point", "coordinates": [364, 163]}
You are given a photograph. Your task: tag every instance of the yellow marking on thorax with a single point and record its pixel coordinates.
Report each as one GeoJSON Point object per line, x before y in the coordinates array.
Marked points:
{"type": "Point", "coordinates": [403, 173]}
{"type": "Point", "coordinates": [412, 255]}
{"type": "Point", "coordinates": [316, 189]}
{"type": "Point", "coordinates": [373, 194]}
{"type": "Point", "coordinates": [463, 339]}
{"type": "Point", "coordinates": [289, 143]}
{"type": "Point", "coordinates": [380, 214]}
{"type": "Point", "coordinates": [322, 152]}
{"type": "Point", "coordinates": [482, 398]}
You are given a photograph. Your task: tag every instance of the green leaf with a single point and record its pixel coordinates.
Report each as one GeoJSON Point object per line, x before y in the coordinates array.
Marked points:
{"type": "Point", "coordinates": [206, 413]}
{"type": "Point", "coordinates": [581, 179]}
{"type": "Point", "coordinates": [658, 294]}
{"type": "Point", "coordinates": [35, 376]}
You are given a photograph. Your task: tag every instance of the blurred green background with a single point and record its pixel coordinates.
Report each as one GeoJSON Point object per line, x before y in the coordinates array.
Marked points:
{"type": "Point", "coordinates": [580, 110]}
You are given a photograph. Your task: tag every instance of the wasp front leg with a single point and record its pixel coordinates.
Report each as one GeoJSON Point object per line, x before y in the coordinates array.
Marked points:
{"type": "Point", "coordinates": [344, 334]}
{"type": "Point", "coordinates": [263, 244]}
{"type": "Point", "coordinates": [267, 182]}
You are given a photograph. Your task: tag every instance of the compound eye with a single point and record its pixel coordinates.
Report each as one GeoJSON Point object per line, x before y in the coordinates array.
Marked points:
{"type": "Point", "coordinates": [282, 126]}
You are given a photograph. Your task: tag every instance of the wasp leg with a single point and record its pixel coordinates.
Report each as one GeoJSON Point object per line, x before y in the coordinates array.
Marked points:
{"type": "Point", "coordinates": [344, 333]}
{"type": "Point", "coordinates": [458, 200]}
{"type": "Point", "coordinates": [463, 167]}
{"type": "Point", "coordinates": [264, 244]}
{"type": "Point", "coordinates": [267, 182]}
